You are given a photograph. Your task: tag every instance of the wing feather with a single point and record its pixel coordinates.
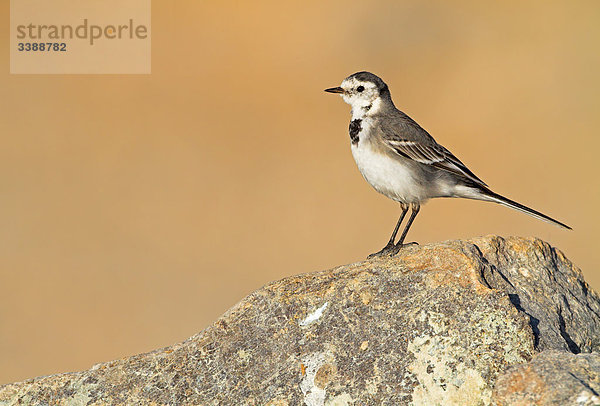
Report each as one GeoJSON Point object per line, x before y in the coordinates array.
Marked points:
{"type": "Point", "coordinates": [432, 154]}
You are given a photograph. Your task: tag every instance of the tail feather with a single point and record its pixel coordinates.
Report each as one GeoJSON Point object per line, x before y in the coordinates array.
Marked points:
{"type": "Point", "coordinates": [495, 197]}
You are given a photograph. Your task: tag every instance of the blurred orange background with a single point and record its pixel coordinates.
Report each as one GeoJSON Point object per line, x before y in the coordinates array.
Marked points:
{"type": "Point", "coordinates": [137, 209]}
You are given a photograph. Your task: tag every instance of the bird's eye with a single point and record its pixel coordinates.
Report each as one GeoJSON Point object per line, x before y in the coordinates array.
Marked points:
{"type": "Point", "coordinates": [360, 89]}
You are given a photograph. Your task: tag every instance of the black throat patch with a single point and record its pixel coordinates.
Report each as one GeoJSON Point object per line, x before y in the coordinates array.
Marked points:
{"type": "Point", "coordinates": [354, 129]}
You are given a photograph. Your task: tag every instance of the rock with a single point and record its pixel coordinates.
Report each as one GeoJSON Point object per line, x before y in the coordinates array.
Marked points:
{"type": "Point", "coordinates": [548, 288]}
{"type": "Point", "coordinates": [437, 324]}
{"type": "Point", "coordinates": [551, 378]}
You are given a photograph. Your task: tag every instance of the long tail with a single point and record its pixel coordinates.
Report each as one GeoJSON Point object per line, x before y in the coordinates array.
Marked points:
{"type": "Point", "coordinates": [495, 197]}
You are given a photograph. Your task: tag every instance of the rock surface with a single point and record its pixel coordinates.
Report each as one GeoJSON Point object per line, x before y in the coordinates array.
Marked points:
{"type": "Point", "coordinates": [551, 378]}
{"type": "Point", "coordinates": [437, 324]}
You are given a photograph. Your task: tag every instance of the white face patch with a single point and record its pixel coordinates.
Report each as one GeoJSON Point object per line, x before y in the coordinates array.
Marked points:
{"type": "Point", "coordinates": [362, 96]}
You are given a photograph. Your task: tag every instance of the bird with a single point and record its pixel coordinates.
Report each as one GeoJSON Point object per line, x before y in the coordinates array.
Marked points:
{"type": "Point", "coordinates": [402, 161]}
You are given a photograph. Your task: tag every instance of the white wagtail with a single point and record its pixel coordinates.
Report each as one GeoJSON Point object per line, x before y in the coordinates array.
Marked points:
{"type": "Point", "coordinates": [402, 161]}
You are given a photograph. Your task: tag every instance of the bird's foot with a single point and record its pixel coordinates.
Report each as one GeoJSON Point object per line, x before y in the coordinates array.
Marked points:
{"type": "Point", "coordinates": [390, 249]}
{"type": "Point", "coordinates": [399, 247]}
{"type": "Point", "coordinates": [407, 244]}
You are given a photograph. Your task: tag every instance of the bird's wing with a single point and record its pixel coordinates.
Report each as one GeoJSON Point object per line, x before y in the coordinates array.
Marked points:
{"type": "Point", "coordinates": [413, 142]}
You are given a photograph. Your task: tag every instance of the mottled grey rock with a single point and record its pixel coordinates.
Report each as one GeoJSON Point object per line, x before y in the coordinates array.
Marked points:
{"type": "Point", "coordinates": [551, 378]}
{"type": "Point", "coordinates": [548, 288]}
{"type": "Point", "coordinates": [436, 324]}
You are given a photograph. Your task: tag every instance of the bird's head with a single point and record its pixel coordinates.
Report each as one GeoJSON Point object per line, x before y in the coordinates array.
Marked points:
{"type": "Point", "coordinates": [365, 92]}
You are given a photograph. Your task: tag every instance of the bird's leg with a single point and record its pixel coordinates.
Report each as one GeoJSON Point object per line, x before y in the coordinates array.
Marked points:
{"type": "Point", "coordinates": [390, 248]}
{"type": "Point", "coordinates": [415, 210]}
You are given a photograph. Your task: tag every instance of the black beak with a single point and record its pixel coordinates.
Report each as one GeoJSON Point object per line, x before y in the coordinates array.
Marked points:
{"type": "Point", "coordinates": [335, 90]}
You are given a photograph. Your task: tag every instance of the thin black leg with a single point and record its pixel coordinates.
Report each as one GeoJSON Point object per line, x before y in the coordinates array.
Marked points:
{"type": "Point", "coordinates": [400, 219]}
{"type": "Point", "coordinates": [390, 248]}
{"type": "Point", "coordinates": [415, 210]}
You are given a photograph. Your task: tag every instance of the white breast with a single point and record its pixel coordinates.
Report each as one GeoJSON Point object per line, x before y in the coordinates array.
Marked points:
{"type": "Point", "coordinates": [391, 177]}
